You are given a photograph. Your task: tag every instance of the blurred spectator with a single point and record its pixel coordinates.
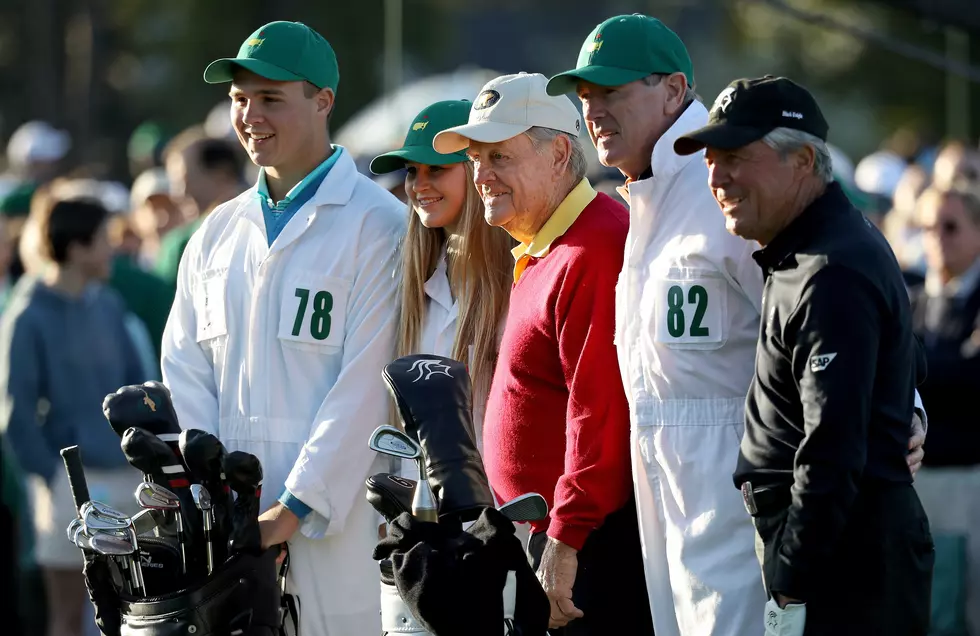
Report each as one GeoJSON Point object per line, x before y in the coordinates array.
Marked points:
{"type": "Point", "coordinates": [946, 317]}
{"type": "Point", "coordinates": [218, 125]}
{"type": "Point", "coordinates": [35, 151]}
{"type": "Point", "coordinates": [879, 173]}
{"type": "Point", "coordinates": [901, 227]}
{"type": "Point", "coordinates": [145, 147]}
{"type": "Point", "coordinates": [53, 380]}
{"type": "Point", "coordinates": [955, 160]}
{"type": "Point", "coordinates": [207, 172]}
{"type": "Point", "coordinates": [123, 237]}
{"type": "Point", "coordinates": [154, 212]}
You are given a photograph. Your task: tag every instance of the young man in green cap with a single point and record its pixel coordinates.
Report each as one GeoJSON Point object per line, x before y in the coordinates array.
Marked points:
{"type": "Point", "coordinates": [687, 321]}
{"type": "Point", "coordinates": [285, 315]}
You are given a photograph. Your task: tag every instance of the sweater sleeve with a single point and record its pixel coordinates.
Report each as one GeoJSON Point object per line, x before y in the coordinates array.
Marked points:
{"type": "Point", "coordinates": [596, 480]}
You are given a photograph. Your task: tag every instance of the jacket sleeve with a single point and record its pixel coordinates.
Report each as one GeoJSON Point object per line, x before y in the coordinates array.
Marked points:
{"type": "Point", "coordinates": [329, 474]}
{"type": "Point", "coordinates": [21, 386]}
{"type": "Point", "coordinates": [597, 479]}
{"type": "Point", "coordinates": [188, 370]}
{"type": "Point", "coordinates": [834, 336]}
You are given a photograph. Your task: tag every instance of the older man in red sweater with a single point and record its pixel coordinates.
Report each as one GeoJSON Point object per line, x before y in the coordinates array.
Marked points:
{"type": "Point", "coordinates": [557, 419]}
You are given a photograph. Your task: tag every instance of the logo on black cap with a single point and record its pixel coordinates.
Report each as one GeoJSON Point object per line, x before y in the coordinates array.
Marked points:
{"type": "Point", "coordinates": [724, 99]}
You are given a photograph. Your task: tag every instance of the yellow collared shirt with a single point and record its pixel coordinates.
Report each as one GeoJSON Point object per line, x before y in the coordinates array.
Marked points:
{"type": "Point", "coordinates": [561, 219]}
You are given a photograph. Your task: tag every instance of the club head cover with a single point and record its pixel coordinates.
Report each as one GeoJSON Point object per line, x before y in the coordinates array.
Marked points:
{"type": "Point", "coordinates": [435, 406]}
{"type": "Point", "coordinates": [390, 494]}
{"type": "Point", "coordinates": [204, 456]}
{"type": "Point", "coordinates": [147, 406]}
{"type": "Point", "coordinates": [244, 474]}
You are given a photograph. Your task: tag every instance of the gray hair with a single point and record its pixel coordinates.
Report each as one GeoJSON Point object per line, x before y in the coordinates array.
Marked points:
{"type": "Point", "coordinates": [787, 140]}
{"type": "Point", "coordinates": [540, 137]}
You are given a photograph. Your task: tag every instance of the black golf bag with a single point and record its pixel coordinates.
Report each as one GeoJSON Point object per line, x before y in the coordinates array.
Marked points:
{"type": "Point", "coordinates": [440, 579]}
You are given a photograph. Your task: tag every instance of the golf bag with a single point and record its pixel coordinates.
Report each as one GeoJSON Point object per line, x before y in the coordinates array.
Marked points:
{"type": "Point", "coordinates": [193, 555]}
{"type": "Point", "coordinates": [437, 578]}
{"type": "Point", "coordinates": [242, 594]}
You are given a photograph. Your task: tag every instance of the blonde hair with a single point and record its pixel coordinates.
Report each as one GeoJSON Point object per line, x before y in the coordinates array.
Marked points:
{"type": "Point", "coordinates": [480, 270]}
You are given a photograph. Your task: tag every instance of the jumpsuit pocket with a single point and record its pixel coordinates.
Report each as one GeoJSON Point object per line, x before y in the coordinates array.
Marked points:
{"type": "Point", "coordinates": [210, 306]}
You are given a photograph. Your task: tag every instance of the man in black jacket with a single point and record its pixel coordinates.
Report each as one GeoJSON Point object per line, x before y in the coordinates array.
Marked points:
{"type": "Point", "coordinates": [822, 466]}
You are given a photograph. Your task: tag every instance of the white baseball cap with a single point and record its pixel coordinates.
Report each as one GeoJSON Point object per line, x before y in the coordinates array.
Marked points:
{"type": "Point", "coordinates": [36, 142]}
{"type": "Point", "coordinates": [508, 106]}
{"type": "Point", "coordinates": [149, 183]}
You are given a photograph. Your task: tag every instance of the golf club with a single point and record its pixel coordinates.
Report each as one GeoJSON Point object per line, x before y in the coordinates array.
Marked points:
{"type": "Point", "coordinates": [98, 517]}
{"type": "Point", "coordinates": [388, 440]}
{"type": "Point", "coordinates": [108, 544]}
{"type": "Point", "coordinates": [148, 520]}
{"type": "Point", "coordinates": [75, 524]}
{"type": "Point", "coordinates": [244, 474]}
{"type": "Point", "coordinates": [202, 499]}
{"type": "Point", "coordinates": [156, 497]}
{"type": "Point", "coordinates": [527, 507]}
{"type": "Point", "coordinates": [204, 457]}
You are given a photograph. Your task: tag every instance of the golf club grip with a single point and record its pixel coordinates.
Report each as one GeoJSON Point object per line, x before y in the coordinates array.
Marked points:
{"type": "Point", "coordinates": [76, 475]}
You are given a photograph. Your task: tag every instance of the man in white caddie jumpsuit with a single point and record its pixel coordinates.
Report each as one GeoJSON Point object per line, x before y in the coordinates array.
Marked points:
{"type": "Point", "coordinates": [284, 318]}
{"type": "Point", "coordinates": [687, 322]}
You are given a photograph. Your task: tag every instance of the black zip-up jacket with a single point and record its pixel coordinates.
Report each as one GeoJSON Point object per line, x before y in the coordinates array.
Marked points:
{"type": "Point", "coordinates": [830, 404]}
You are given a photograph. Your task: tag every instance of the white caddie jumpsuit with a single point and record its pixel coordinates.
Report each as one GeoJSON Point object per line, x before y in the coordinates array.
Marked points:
{"type": "Point", "coordinates": [687, 322]}
{"type": "Point", "coordinates": [279, 352]}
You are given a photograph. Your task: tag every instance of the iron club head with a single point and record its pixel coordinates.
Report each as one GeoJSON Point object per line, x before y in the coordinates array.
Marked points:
{"type": "Point", "coordinates": [391, 441]}
{"type": "Point", "coordinates": [202, 498]}
{"type": "Point", "coordinates": [527, 507]}
{"type": "Point", "coordinates": [156, 497]}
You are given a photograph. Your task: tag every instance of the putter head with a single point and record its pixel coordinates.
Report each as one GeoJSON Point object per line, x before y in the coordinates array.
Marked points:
{"type": "Point", "coordinates": [388, 440]}
{"type": "Point", "coordinates": [527, 507]}
{"type": "Point", "coordinates": [111, 544]}
{"type": "Point", "coordinates": [156, 497]}
{"type": "Point", "coordinates": [202, 498]}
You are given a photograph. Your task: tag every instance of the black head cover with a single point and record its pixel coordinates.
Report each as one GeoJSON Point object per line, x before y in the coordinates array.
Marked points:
{"type": "Point", "coordinates": [434, 402]}
{"type": "Point", "coordinates": [146, 406]}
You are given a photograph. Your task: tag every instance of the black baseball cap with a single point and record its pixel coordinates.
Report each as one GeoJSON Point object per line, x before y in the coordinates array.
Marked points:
{"type": "Point", "coordinates": [749, 109]}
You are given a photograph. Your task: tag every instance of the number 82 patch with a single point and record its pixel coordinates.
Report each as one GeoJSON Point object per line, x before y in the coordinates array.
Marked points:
{"type": "Point", "coordinates": [690, 313]}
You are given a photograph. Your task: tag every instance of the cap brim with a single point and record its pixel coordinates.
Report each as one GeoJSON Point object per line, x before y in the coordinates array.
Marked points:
{"type": "Point", "coordinates": [568, 81]}
{"type": "Point", "coordinates": [488, 132]}
{"type": "Point", "coordinates": [721, 136]}
{"type": "Point", "coordinates": [223, 70]}
{"type": "Point", "coordinates": [396, 159]}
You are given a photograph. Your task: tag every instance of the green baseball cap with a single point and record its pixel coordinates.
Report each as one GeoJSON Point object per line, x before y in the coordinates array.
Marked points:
{"type": "Point", "coordinates": [418, 141]}
{"type": "Point", "coordinates": [624, 49]}
{"type": "Point", "coordinates": [283, 52]}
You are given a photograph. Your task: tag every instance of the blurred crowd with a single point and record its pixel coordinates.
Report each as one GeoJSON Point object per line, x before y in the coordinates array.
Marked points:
{"type": "Point", "coordinates": [925, 200]}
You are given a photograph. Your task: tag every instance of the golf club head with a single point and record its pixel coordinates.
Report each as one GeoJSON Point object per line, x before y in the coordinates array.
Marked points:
{"type": "Point", "coordinates": [388, 440]}
{"type": "Point", "coordinates": [99, 518]}
{"type": "Point", "coordinates": [72, 527]}
{"type": "Point", "coordinates": [148, 520]}
{"type": "Point", "coordinates": [243, 471]}
{"type": "Point", "coordinates": [152, 456]}
{"type": "Point", "coordinates": [202, 498]}
{"type": "Point", "coordinates": [155, 497]}
{"type": "Point", "coordinates": [111, 544]}
{"type": "Point", "coordinates": [527, 507]}
{"type": "Point", "coordinates": [80, 539]}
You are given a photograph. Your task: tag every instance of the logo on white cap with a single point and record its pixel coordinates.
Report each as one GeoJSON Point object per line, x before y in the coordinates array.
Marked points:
{"type": "Point", "coordinates": [508, 106]}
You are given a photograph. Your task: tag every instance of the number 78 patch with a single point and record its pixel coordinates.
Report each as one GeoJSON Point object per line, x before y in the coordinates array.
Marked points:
{"type": "Point", "coordinates": [690, 312]}
{"type": "Point", "coordinates": [314, 312]}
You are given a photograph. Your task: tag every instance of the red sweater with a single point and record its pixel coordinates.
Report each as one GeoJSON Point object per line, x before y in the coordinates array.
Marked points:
{"type": "Point", "coordinates": [557, 420]}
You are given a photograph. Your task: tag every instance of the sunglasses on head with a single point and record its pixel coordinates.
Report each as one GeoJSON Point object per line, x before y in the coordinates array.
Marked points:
{"type": "Point", "coordinates": [943, 227]}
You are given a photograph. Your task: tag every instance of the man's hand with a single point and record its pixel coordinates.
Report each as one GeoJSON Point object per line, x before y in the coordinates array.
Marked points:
{"type": "Point", "coordinates": [559, 563]}
{"type": "Point", "coordinates": [277, 525]}
{"type": "Point", "coordinates": [916, 453]}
